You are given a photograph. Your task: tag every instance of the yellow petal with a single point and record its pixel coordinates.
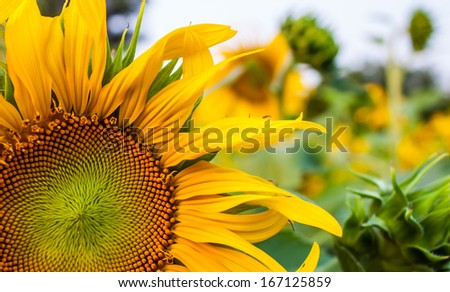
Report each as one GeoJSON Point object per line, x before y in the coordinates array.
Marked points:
{"type": "Point", "coordinates": [292, 207]}
{"type": "Point", "coordinates": [251, 227]}
{"type": "Point", "coordinates": [9, 116]}
{"type": "Point", "coordinates": [134, 101]}
{"type": "Point", "coordinates": [168, 110]}
{"type": "Point", "coordinates": [93, 13]}
{"type": "Point", "coordinates": [77, 53]}
{"type": "Point", "coordinates": [195, 261]}
{"type": "Point", "coordinates": [95, 17]}
{"type": "Point", "coordinates": [225, 237]}
{"type": "Point", "coordinates": [247, 134]}
{"type": "Point", "coordinates": [25, 35]}
{"type": "Point", "coordinates": [56, 64]}
{"type": "Point", "coordinates": [228, 259]}
{"type": "Point", "coordinates": [129, 88]}
{"type": "Point", "coordinates": [234, 260]}
{"type": "Point", "coordinates": [204, 178]}
{"type": "Point", "coordinates": [196, 55]}
{"type": "Point", "coordinates": [211, 34]}
{"type": "Point", "coordinates": [175, 268]}
{"type": "Point", "coordinates": [7, 8]}
{"type": "Point", "coordinates": [84, 48]}
{"type": "Point", "coordinates": [310, 264]}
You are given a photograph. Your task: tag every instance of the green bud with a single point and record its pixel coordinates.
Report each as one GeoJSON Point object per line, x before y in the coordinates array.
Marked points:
{"type": "Point", "coordinates": [310, 43]}
{"type": "Point", "coordinates": [404, 228]}
{"type": "Point", "coordinates": [420, 30]}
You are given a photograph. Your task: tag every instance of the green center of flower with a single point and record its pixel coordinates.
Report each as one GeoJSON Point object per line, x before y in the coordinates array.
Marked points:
{"type": "Point", "coordinates": [84, 196]}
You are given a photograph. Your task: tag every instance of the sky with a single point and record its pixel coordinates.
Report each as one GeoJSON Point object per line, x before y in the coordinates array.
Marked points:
{"type": "Point", "coordinates": [353, 22]}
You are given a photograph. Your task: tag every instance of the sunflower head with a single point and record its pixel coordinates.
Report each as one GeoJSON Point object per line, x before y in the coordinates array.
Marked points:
{"type": "Point", "coordinates": [99, 167]}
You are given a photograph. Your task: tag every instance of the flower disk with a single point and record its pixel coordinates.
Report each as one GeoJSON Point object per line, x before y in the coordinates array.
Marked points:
{"type": "Point", "coordinates": [83, 196]}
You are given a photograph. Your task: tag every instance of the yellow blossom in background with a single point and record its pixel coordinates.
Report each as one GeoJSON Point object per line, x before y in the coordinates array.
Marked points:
{"type": "Point", "coordinates": [312, 185]}
{"type": "Point", "coordinates": [377, 115]}
{"type": "Point", "coordinates": [426, 138]}
{"type": "Point", "coordinates": [257, 85]}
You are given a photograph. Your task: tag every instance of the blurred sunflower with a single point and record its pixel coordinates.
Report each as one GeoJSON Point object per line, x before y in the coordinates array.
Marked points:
{"type": "Point", "coordinates": [81, 189]}
{"type": "Point", "coordinates": [258, 85]}
{"type": "Point", "coordinates": [377, 115]}
{"type": "Point", "coordinates": [423, 140]}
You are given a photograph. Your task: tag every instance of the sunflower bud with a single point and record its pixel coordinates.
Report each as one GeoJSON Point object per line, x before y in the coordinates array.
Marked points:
{"type": "Point", "coordinates": [310, 43]}
{"type": "Point", "coordinates": [420, 30]}
{"type": "Point", "coordinates": [405, 228]}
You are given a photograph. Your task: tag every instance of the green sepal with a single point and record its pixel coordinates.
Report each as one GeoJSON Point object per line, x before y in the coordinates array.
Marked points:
{"type": "Point", "coordinates": [347, 259]}
{"type": "Point", "coordinates": [419, 254]}
{"type": "Point", "coordinates": [131, 51]}
{"type": "Point", "coordinates": [189, 122]}
{"type": "Point", "coordinates": [375, 221]}
{"type": "Point", "coordinates": [366, 194]}
{"type": "Point", "coordinates": [427, 197]}
{"type": "Point", "coordinates": [165, 76]}
{"type": "Point", "coordinates": [113, 67]}
{"type": "Point", "coordinates": [7, 86]}
{"type": "Point", "coordinates": [381, 185]}
{"type": "Point", "coordinates": [108, 75]}
{"type": "Point", "coordinates": [187, 163]}
{"type": "Point", "coordinates": [357, 217]}
{"type": "Point", "coordinates": [354, 234]}
{"type": "Point", "coordinates": [437, 227]}
{"type": "Point", "coordinates": [398, 197]}
{"type": "Point", "coordinates": [409, 183]}
{"type": "Point", "coordinates": [117, 63]}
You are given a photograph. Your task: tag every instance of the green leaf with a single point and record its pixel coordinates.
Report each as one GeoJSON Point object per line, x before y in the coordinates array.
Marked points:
{"type": "Point", "coordinates": [129, 57]}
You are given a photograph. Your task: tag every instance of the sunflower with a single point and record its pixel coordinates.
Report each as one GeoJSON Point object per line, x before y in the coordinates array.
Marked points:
{"type": "Point", "coordinates": [258, 85]}
{"type": "Point", "coordinates": [84, 188]}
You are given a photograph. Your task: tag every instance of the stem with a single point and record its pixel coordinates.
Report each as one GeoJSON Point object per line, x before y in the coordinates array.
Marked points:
{"type": "Point", "coordinates": [394, 82]}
